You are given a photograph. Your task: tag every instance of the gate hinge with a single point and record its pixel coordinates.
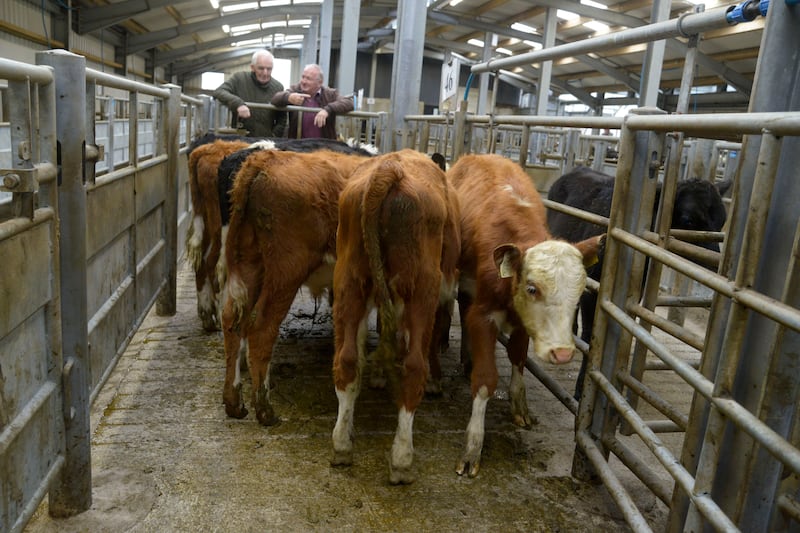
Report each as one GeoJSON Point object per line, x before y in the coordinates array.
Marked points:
{"type": "Point", "coordinates": [18, 179]}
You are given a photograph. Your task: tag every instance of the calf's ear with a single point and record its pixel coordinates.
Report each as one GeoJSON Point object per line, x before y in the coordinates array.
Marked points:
{"type": "Point", "coordinates": [591, 249]}
{"type": "Point", "coordinates": [507, 259]}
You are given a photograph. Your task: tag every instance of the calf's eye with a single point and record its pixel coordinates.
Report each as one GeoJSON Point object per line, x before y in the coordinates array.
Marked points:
{"type": "Point", "coordinates": [531, 290]}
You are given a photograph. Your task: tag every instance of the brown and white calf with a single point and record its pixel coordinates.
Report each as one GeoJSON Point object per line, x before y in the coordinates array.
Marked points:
{"type": "Point", "coordinates": [515, 279]}
{"type": "Point", "coordinates": [203, 240]}
{"type": "Point", "coordinates": [213, 163]}
{"type": "Point", "coordinates": [397, 248]}
{"type": "Point", "coordinates": [282, 235]}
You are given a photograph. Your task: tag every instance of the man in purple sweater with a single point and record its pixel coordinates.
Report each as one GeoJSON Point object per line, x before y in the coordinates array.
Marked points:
{"type": "Point", "coordinates": [310, 92]}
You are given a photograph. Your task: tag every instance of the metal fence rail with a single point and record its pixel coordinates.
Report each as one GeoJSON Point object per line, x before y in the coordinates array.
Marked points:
{"type": "Point", "coordinates": [32, 448]}
{"type": "Point", "coordinates": [86, 259]}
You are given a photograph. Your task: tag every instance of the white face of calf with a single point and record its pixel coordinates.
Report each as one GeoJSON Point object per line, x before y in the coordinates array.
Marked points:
{"type": "Point", "coordinates": [547, 281]}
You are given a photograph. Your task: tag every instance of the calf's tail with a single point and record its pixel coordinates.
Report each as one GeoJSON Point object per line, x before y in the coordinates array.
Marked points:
{"type": "Point", "coordinates": [235, 289]}
{"type": "Point", "coordinates": [387, 176]}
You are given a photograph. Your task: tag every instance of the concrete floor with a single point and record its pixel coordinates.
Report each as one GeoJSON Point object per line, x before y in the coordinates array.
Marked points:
{"type": "Point", "coordinates": [166, 458]}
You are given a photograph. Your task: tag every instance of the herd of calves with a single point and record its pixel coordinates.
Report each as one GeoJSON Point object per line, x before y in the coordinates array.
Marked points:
{"type": "Point", "coordinates": [392, 232]}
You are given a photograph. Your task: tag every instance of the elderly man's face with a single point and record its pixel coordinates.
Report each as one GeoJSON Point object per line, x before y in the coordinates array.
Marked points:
{"type": "Point", "coordinates": [263, 69]}
{"type": "Point", "coordinates": [310, 81]}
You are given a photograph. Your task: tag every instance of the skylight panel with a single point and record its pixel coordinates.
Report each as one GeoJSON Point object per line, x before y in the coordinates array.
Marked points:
{"type": "Point", "coordinates": [566, 15]}
{"type": "Point", "coordinates": [592, 3]}
{"type": "Point", "coordinates": [523, 27]}
{"type": "Point", "coordinates": [239, 7]}
{"type": "Point", "coordinates": [598, 27]}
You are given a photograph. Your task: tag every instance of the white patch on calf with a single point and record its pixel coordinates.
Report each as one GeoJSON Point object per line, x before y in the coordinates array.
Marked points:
{"type": "Point", "coordinates": [517, 198]}
{"type": "Point", "coordinates": [242, 354]}
{"type": "Point", "coordinates": [206, 300]}
{"type": "Point", "coordinates": [475, 434]}
{"type": "Point", "coordinates": [262, 145]}
{"type": "Point", "coordinates": [343, 430]}
{"type": "Point", "coordinates": [237, 292]}
{"type": "Point", "coordinates": [369, 148]}
{"type": "Point", "coordinates": [221, 269]}
{"type": "Point", "coordinates": [193, 251]}
{"type": "Point", "coordinates": [555, 269]}
{"type": "Point", "coordinates": [500, 319]}
{"type": "Point", "coordinates": [403, 445]}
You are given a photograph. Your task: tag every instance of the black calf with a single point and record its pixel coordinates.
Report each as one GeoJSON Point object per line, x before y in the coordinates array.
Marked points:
{"type": "Point", "coordinates": [698, 206]}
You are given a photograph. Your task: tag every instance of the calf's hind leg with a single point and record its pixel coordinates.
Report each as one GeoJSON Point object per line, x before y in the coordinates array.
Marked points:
{"type": "Point", "coordinates": [270, 312]}
{"type": "Point", "coordinates": [348, 361]}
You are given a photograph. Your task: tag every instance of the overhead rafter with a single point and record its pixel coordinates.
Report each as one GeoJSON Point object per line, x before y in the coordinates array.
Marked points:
{"type": "Point", "coordinates": [620, 19]}
{"type": "Point", "coordinates": [100, 17]}
{"type": "Point", "coordinates": [610, 70]}
{"type": "Point", "coordinates": [138, 43]}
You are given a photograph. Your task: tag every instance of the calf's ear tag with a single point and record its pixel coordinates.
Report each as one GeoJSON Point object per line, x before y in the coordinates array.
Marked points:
{"type": "Point", "coordinates": [506, 269]}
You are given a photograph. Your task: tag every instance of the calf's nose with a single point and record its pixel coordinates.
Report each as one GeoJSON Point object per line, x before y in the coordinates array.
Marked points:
{"type": "Point", "coordinates": [559, 356]}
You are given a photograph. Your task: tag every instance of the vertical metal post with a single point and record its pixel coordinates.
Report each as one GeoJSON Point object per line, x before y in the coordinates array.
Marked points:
{"type": "Point", "coordinates": [654, 58]}
{"type": "Point", "coordinates": [91, 139]}
{"type": "Point", "coordinates": [349, 47]}
{"type": "Point", "coordinates": [326, 36]}
{"type": "Point", "coordinates": [309, 51]}
{"type": "Point", "coordinates": [524, 146]}
{"type": "Point", "coordinates": [133, 129]}
{"type": "Point", "coordinates": [681, 284]}
{"type": "Point", "coordinates": [546, 70]}
{"type": "Point", "coordinates": [459, 134]}
{"type": "Point", "coordinates": [22, 203]}
{"type": "Point", "coordinates": [490, 41]}
{"type": "Point", "coordinates": [571, 149]}
{"type": "Point", "coordinates": [545, 75]}
{"type": "Point", "coordinates": [71, 493]}
{"type": "Point", "coordinates": [424, 137]}
{"type": "Point", "coordinates": [407, 66]}
{"type": "Point", "coordinates": [743, 470]}
{"type": "Point", "coordinates": [167, 301]}
{"type": "Point", "coordinates": [620, 283]}
{"type": "Point", "coordinates": [111, 109]}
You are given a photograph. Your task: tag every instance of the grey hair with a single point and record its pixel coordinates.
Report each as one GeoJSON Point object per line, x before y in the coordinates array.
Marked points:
{"type": "Point", "coordinates": [319, 69]}
{"type": "Point", "coordinates": [259, 53]}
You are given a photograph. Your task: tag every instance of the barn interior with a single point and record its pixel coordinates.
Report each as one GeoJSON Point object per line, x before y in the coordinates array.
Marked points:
{"type": "Point", "coordinates": [679, 427]}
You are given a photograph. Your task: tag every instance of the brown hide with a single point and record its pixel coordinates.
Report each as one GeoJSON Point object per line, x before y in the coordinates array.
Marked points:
{"type": "Point", "coordinates": [203, 165]}
{"type": "Point", "coordinates": [489, 220]}
{"type": "Point", "coordinates": [284, 213]}
{"type": "Point", "coordinates": [397, 235]}
{"type": "Point", "coordinates": [397, 243]}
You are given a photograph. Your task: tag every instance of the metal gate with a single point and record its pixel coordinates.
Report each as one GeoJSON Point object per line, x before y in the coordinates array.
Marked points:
{"type": "Point", "coordinates": [31, 423]}
{"type": "Point", "coordinates": [739, 465]}
{"type": "Point", "coordinates": [85, 255]}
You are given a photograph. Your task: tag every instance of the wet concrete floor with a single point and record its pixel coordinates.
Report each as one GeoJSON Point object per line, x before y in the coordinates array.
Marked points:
{"type": "Point", "coordinates": [166, 457]}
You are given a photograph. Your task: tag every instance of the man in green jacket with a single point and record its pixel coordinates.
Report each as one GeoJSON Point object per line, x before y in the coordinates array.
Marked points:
{"type": "Point", "coordinates": [310, 92]}
{"type": "Point", "coordinates": [256, 86]}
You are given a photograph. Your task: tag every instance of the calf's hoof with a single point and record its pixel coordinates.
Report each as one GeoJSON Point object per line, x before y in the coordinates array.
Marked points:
{"type": "Point", "coordinates": [400, 475]}
{"type": "Point", "coordinates": [342, 458]}
{"type": "Point", "coordinates": [266, 417]}
{"type": "Point", "coordinates": [525, 421]}
{"type": "Point", "coordinates": [209, 326]}
{"type": "Point", "coordinates": [235, 411]}
{"type": "Point", "coordinates": [469, 467]}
